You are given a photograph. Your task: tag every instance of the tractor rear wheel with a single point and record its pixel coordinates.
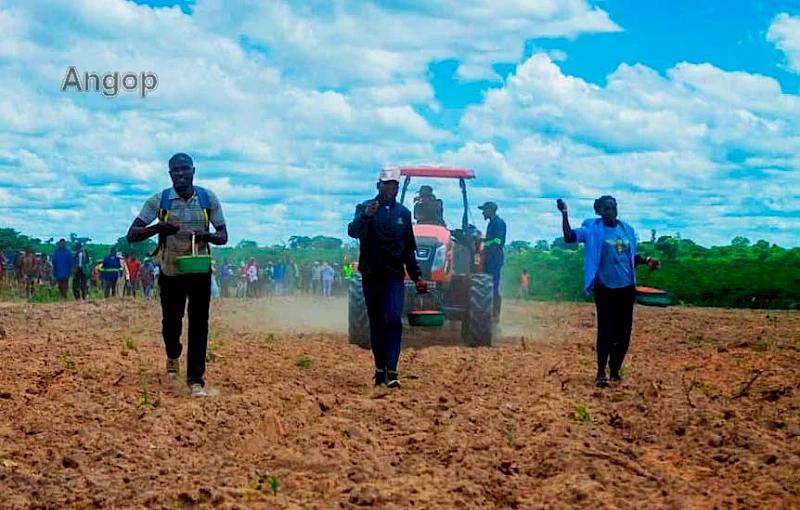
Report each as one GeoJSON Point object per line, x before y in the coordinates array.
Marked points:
{"type": "Point", "coordinates": [476, 327]}
{"type": "Point", "coordinates": [357, 317]}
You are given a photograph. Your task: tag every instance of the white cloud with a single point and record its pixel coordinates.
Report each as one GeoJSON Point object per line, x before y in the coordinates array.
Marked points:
{"type": "Point", "coordinates": [291, 128]}
{"type": "Point", "coordinates": [784, 33]}
{"type": "Point", "coordinates": [654, 141]}
{"type": "Point", "coordinates": [375, 42]}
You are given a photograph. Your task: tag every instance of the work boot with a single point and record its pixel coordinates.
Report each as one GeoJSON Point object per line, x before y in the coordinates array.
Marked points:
{"type": "Point", "coordinates": [380, 377]}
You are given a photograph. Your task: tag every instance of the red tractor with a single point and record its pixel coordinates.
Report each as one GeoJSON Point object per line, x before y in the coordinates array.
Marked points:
{"type": "Point", "coordinates": [451, 263]}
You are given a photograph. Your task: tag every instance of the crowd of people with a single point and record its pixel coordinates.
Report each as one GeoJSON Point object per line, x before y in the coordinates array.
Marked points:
{"type": "Point", "coordinates": [256, 279]}
{"type": "Point", "coordinates": [128, 274]}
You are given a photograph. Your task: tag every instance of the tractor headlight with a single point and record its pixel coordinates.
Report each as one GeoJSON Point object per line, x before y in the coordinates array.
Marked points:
{"type": "Point", "coordinates": [438, 258]}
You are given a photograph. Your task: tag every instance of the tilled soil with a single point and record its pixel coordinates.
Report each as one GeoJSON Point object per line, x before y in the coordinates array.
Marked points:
{"type": "Point", "coordinates": [706, 416]}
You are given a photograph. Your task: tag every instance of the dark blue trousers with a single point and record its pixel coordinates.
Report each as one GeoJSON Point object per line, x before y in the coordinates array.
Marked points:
{"type": "Point", "coordinates": [385, 299]}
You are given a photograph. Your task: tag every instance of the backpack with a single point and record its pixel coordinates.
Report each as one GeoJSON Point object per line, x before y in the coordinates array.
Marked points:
{"type": "Point", "coordinates": [163, 213]}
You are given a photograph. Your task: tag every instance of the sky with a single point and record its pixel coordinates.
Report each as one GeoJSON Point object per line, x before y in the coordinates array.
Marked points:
{"type": "Point", "coordinates": [687, 112]}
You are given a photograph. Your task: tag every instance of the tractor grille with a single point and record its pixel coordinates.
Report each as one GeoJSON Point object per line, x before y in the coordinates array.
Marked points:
{"type": "Point", "coordinates": [426, 251]}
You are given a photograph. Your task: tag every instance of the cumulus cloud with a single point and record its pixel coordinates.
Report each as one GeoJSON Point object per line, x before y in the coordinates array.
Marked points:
{"type": "Point", "coordinates": [655, 141]}
{"type": "Point", "coordinates": [291, 108]}
{"type": "Point", "coordinates": [784, 33]}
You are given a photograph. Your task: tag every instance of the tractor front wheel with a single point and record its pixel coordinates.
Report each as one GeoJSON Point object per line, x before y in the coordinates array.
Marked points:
{"type": "Point", "coordinates": [477, 327]}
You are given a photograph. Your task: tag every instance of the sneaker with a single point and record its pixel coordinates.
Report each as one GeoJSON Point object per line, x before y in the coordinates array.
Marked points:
{"type": "Point", "coordinates": [197, 390]}
{"type": "Point", "coordinates": [601, 381]}
{"type": "Point", "coordinates": [391, 380]}
{"type": "Point", "coordinates": [173, 366]}
{"type": "Point", "coordinates": [615, 377]}
{"type": "Point", "coordinates": [380, 377]}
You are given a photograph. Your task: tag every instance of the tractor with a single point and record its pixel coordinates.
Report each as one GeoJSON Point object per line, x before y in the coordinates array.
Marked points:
{"type": "Point", "coordinates": [452, 263]}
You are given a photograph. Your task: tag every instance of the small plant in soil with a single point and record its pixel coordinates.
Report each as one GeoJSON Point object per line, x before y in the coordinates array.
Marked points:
{"type": "Point", "coordinates": [581, 414]}
{"type": "Point", "coordinates": [211, 355]}
{"type": "Point", "coordinates": [144, 398]}
{"type": "Point", "coordinates": [68, 363]}
{"type": "Point", "coordinates": [623, 372]}
{"type": "Point", "coordinates": [263, 480]}
{"type": "Point", "coordinates": [511, 434]}
{"type": "Point", "coordinates": [269, 338]}
{"type": "Point", "coordinates": [761, 346]}
{"type": "Point", "coordinates": [130, 344]}
{"type": "Point", "coordinates": [304, 363]}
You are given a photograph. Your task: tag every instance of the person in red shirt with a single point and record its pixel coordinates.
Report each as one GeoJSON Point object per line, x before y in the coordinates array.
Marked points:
{"type": "Point", "coordinates": [134, 269]}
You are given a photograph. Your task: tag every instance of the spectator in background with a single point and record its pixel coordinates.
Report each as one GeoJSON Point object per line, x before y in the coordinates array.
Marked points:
{"type": "Point", "coordinates": [110, 271]}
{"type": "Point", "coordinates": [80, 265]}
{"type": "Point", "coordinates": [252, 278]}
{"type": "Point", "coordinates": [524, 285]}
{"type": "Point", "coordinates": [97, 284]}
{"type": "Point", "coordinates": [327, 274]}
{"type": "Point", "coordinates": [316, 278]}
{"type": "Point", "coordinates": [134, 268]}
{"type": "Point", "coordinates": [225, 278]}
{"type": "Point", "coordinates": [30, 270]}
{"type": "Point", "coordinates": [148, 278]}
{"type": "Point", "coordinates": [62, 267]}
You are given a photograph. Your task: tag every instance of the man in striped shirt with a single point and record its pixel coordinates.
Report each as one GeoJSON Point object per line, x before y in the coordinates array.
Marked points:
{"type": "Point", "coordinates": [187, 216]}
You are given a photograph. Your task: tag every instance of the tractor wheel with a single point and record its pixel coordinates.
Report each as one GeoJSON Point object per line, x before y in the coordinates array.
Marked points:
{"type": "Point", "coordinates": [476, 327]}
{"type": "Point", "coordinates": [357, 318]}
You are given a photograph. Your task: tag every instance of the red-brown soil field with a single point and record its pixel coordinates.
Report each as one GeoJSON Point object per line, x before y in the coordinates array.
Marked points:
{"type": "Point", "coordinates": [707, 415]}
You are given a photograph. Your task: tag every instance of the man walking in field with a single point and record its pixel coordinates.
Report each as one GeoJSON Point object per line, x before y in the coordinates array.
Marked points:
{"type": "Point", "coordinates": [387, 245]}
{"type": "Point", "coordinates": [183, 210]}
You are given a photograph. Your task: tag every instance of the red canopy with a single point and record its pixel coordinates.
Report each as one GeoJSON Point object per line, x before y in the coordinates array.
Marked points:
{"type": "Point", "coordinates": [435, 171]}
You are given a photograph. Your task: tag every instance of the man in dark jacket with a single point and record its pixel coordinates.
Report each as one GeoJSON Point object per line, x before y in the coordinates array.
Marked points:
{"type": "Point", "coordinates": [62, 267]}
{"type": "Point", "coordinates": [80, 272]}
{"type": "Point", "coordinates": [386, 236]}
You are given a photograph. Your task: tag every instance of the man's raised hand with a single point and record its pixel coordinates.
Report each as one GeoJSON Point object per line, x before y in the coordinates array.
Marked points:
{"type": "Point", "coordinates": [372, 208]}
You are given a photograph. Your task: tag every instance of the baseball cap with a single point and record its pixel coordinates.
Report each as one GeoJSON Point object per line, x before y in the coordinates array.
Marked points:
{"type": "Point", "coordinates": [488, 205]}
{"type": "Point", "coordinates": [390, 174]}
{"type": "Point", "coordinates": [180, 159]}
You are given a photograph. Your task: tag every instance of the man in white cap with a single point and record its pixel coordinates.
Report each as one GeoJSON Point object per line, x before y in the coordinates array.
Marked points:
{"type": "Point", "coordinates": [387, 244]}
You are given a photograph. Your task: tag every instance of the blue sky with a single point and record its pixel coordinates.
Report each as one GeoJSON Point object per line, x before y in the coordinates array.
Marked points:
{"type": "Point", "coordinates": [687, 112]}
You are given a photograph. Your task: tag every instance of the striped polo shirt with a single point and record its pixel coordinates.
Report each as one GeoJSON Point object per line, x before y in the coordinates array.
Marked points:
{"type": "Point", "coordinates": [189, 215]}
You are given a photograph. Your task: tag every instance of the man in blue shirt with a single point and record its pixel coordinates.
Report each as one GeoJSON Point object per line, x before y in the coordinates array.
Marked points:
{"type": "Point", "coordinates": [110, 271]}
{"type": "Point", "coordinates": [62, 267]}
{"type": "Point", "coordinates": [610, 262]}
{"type": "Point", "coordinates": [387, 244]}
{"type": "Point", "coordinates": [493, 246]}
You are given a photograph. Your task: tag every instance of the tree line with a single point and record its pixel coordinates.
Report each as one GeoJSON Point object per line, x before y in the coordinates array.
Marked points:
{"type": "Point", "coordinates": [741, 274]}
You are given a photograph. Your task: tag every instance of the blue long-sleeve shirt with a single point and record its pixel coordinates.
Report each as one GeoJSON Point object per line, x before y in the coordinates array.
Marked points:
{"type": "Point", "coordinates": [592, 233]}
{"type": "Point", "coordinates": [62, 264]}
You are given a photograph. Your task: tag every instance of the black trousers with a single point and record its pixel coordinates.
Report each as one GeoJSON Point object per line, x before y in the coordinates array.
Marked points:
{"type": "Point", "coordinates": [79, 284]}
{"type": "Point", "coordinates": [174, 293]}
{"type": "Point", "coordinates": [614, 324]}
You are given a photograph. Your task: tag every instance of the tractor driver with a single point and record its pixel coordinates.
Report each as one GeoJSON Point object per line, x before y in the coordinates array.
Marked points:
{"type": "Point", "coordinates": [493, 249]}
{"type": "Point", "coordinates": [427, 208]}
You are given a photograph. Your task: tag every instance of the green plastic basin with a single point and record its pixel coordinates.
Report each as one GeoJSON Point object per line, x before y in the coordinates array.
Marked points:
{"type": "Point", "coordinates": [426, 318]}
{"type": "Point", "coordinates": [194, 264]}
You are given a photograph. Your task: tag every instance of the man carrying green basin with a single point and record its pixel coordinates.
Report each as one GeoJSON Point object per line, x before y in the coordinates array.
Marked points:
{"type": "Point", "coordinates": [184, 213]}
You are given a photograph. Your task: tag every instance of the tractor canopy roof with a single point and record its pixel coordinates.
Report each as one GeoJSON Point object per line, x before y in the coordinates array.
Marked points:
{"type": "Point", "coordinates": [437, 172]}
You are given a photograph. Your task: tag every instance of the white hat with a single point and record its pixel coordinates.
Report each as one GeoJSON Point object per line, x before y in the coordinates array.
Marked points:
{"type": "Point", "coordinates": [390, 174]}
